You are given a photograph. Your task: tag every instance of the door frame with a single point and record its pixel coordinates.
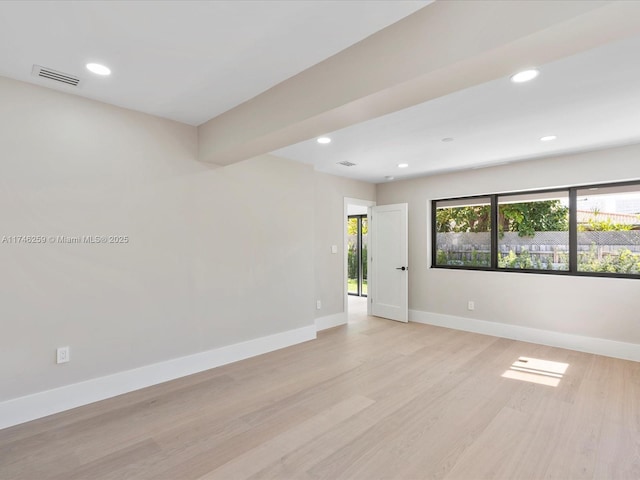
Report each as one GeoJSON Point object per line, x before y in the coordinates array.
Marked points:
{"type": "Point", "coordinates": [345, 245]}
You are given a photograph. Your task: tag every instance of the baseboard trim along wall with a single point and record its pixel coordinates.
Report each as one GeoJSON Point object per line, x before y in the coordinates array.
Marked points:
{"type": "Point", "coordinates": [331, 321]}
{"type": "Point", "coordinates": [599, 346]}
{"type": "Point", "coordinates": [41, 404]}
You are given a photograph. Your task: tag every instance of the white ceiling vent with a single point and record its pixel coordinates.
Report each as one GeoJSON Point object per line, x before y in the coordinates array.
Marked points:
{"type": "Point", "coordinates": [347, 164]}
{"type": "Point", "coordinates": [44, 72]}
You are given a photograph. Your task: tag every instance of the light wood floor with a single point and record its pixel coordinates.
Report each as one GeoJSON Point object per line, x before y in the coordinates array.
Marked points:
{"type": "Point", "coordinates": [376, 399]}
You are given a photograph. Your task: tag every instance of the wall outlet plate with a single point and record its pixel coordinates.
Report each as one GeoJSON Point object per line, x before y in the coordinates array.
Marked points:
{"type": "Point", "coordinates": [62, 355]}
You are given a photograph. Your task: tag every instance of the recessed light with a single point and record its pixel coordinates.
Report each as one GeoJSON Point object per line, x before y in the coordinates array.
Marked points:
{"type": "Point", "coordinates": [98, 69]}
{"type": "Point", "coordinates": [389, 177]}
{"type": "Point", "coordinates": [548, 138]}
{"type": "Point", "coordinates": [448, 139]}
{"type": "Point", "coordinates": [525, 75]}
{"type": "Point", "coordinates": [323, 140]}
{"type": "Point", "coordinates": [403, 165]}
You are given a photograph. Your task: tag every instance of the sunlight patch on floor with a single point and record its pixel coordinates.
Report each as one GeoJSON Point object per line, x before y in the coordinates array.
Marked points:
{"type": "Point", "coordinates": [535, 370]}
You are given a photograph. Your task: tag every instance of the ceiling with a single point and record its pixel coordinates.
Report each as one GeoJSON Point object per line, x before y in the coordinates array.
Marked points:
{"type": "Point", "coordinates": [192, 61]}
{"type": "Point", "coordinates": [184, 60]}
{"type": "Point", "coordinates": [590, 100]}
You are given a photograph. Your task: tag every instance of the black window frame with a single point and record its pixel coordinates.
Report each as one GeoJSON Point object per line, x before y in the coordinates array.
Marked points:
{"type": "Point", "coordinates": [573, 232]}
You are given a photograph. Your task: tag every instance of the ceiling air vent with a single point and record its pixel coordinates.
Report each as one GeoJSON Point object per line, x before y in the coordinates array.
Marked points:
{"type": "Point", "coordinates": [347, 164]}
{"type": "Point", "coordinates": [54, 75]}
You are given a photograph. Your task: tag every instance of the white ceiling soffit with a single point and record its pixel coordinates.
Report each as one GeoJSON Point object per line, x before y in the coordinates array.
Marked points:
{"type": "Point", "coordinates": [443, 48]}
{"type": "Point", "coordinates": [589, 100]}
{"type": "Point", "coordinates": [184, 60]}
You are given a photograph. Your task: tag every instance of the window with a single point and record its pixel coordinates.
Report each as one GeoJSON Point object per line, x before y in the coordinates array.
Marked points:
{"type": "Point", "coordinates": [609, 229]}
{"type": "Point", "coordinates": [533, 231]}
{"type": "Point", "coordinates": [588, 230]}
{"type": "Point", "coordinates": [463, 232]}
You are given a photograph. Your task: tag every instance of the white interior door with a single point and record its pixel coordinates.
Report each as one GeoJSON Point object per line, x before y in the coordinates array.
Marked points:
{"type": "Point", "coordinates": [389, 286]}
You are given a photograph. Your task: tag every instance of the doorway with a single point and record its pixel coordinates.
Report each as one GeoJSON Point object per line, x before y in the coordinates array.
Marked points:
{"type": "Point", "coordinates": [356, 257]}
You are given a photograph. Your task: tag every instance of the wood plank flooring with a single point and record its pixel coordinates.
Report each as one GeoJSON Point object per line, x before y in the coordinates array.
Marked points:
{"type": "Point", "coordinates": [373, 400]}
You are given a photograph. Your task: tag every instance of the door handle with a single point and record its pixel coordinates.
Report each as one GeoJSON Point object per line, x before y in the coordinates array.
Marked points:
{"type": "Point", "coordinates": [402, 268]}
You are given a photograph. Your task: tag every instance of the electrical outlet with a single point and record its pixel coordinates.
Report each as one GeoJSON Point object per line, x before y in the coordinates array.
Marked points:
{"type": "Point", "coordinates": [471, 305]}
{"type": "Point", "coordinates": [318, 304]}
{"type": "Point", "coordinates": [62, 355]}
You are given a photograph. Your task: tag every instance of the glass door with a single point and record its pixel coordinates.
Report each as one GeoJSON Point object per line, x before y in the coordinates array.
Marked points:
{"type": "Point", "coordinates": [357, 232]}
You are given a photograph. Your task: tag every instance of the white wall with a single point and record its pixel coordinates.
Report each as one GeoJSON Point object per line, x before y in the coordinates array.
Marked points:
{"type": "Point", "coordinates": [606, 308]}
{"type": "Point", "coordinates": [215, 255]}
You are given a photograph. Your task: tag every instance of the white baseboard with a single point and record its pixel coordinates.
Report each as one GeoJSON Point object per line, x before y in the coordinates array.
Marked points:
{"type": "Point", "coordinates": [41, 404]}
{"type": "Point", "coordinates": [331, 321]}
{"type": "Point", "coordinates": [599, 346]}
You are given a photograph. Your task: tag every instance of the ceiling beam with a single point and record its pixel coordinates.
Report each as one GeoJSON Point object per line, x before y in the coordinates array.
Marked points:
{"type": "Point", "coordinates": [442, 48]}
